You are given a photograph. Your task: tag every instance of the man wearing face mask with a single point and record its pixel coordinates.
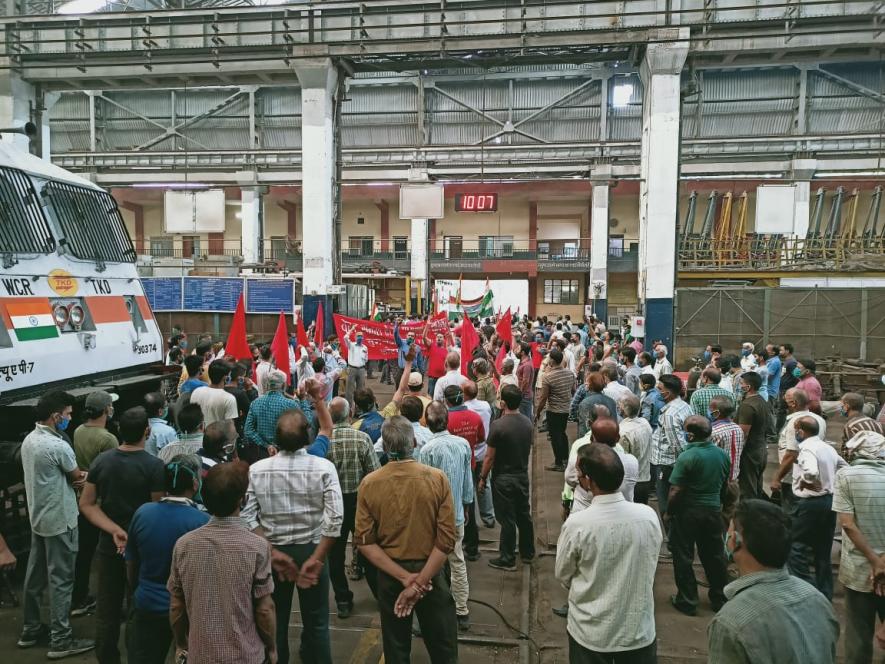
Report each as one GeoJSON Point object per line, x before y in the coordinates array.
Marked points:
{"type": "Point", "coordinates": [90, 439]}
{"type": "Point", "coordinates": [804, 371]}
{"type": "Point", "coordinates": [662, 364]}
{"type": "Point", "coordinates": [668, 439]}
{"type": "Point", "coordinates": [436, 359]}
{"type": "Point", "coordinates": [708, 388]}
{"type": "Point", "coordinates": [50, 476]}
{"type": "Point", "coordinates": [357, 358]}
{"type": "Point", "coordinates": [752, 418]}
{"type": "Point", "coordinates": [153, 532]}
{"type": "Point", "coordinates": [796, 402]}
{"type": "Point", "coordinates": [711, 356]}
{"type": "Point", "coordinates": [161, 433]}
{"type": "Point", "coordinates": [748, 359]}
{"type": "Point", "coordinates": [698, 488]}
{"type": "Point", "coordinates": [813, 519]}
{"type": "Point", "coordinates": [770, 617]}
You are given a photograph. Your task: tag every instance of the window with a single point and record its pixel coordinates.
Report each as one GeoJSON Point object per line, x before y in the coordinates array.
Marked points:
{"type": "Point", "coordinates": [453, 245]}
{"type": "Point", "coordinates": [616, 245]}
{"type": "Point", "coordinates": [560, 291]}
{"type": "Point", "coordinates": [90, 222]}
{"type": "Point", "coordinates": [557, 249]}
{"type": "Point", "coordinates": [23, 228]}
{"type": "Point", "coordinates": [361, 245]}
{"type": "Point", "coordinates": [161, 246]}
{"type": "Point", "coordinates": [495, 246]}
{"type": "Point", "coordinates": [400, 248]}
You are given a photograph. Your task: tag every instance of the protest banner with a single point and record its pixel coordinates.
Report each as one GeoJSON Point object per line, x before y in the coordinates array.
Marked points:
{"type": "Point", "coordinates": [378, 337]}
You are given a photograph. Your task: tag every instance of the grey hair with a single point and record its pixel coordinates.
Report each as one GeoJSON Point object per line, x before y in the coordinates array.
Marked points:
{"type": "Point", "coordinates": [399, 437]}
{"type": "Point", "coordinates": [339, 409]}
{"type": "Point", "coordinates": [630, 405]}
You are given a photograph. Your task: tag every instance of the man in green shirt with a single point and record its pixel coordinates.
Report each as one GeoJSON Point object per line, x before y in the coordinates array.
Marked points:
{"type": "Point", "coordinates": [90, 439]}
{"type": "Point", "coordinates": [771, 616]}
{"type": "Point", "coordinates": [697, 487]}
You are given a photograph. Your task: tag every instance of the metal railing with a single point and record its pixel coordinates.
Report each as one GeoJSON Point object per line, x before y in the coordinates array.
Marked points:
{"type": "Point", "coordinates": [778, 252]}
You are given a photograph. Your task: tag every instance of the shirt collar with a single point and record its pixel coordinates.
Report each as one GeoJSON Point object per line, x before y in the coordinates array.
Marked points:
{"type": "Point", "coordinates": [228, 521]}
{"type": "Point", "coordinates": [178, 500]}
{"type": "Point", "coordinates": [616, 497]}
{"type": "Point", "coordinates": [744, 582]}
{"type": "Point", "coordinates": [157, 420]}
{"type": "Point", "coordinates": [49, 430]}
{"type": "Point", "coordinates": [455, 409]}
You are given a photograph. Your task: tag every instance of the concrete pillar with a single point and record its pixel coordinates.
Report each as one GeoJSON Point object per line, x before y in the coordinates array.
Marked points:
{"type": "Point", "coordinates": [384, 210]}
{"type": "Point", "coordinates": [138, 223]}
{"type": "Point", "coordinates": [45, 144]}
{"type": "Point", "coordinates": [418, 270]}
{"type": "Point", "coordinates": [599, 242]}
{"type": "Point", "coordinates": [319, 81]}
{"type": "Point", "coordinates": [17, 101]}
{"type": "Point", "coordinates": [250, 224]}
{"type": "Point", "coordinates": [659, 181]}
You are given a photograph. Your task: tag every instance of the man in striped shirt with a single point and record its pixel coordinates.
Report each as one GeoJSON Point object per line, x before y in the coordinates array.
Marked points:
{"type": "Point", "coordinates": [770, 617]}
{"type": "Point", "coordinates": [557, 386]}
{"type": "Point", "coordinates": [726, 434]}
{"type": "Point", "coordinates": [668, 440]}
{"type": "Point", "coordinates": [852, 408]}
{"type": "Point", "coordinates": [859, 501]}
{"type": "Point", "coordinates": [452, 454]}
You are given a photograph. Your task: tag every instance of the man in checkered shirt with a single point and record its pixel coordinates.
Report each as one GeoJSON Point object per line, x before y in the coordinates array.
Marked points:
{"type": "Point", "coordinates": [294, 500]}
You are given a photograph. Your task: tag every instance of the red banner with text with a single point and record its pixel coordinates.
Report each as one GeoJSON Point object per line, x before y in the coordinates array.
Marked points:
{"type": "Point", "coordinates": [378, 337]}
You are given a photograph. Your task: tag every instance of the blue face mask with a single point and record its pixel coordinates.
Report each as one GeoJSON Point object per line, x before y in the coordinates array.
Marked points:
{"type": "Point", "coordinates": [707, 356]}
{"type": "Point", "coordinates": [745, 352]}
{"type": "Point", "coordinates": [729, 553]}
{"type": "Point", "coordinates": [359, 341]}
{"type": "Point", "coordinates": [63, 423]}
{"type": "Point", "coordinates": [799, 438]}
{"type": "Point", "coordinates": [182, 344]}
{"type": "Point", "coordinates": [843, 412]}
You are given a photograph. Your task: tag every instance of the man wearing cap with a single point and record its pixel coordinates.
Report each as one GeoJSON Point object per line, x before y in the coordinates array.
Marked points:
{"type": "Point", "coordinates": [90, 439]}
{"type": "Point", "coordinates": [261, 422]}
{"type": "Point", "coordinates": [161, 433]}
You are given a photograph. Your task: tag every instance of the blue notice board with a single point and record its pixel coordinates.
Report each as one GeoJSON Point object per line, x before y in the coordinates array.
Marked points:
{"type": "Point", "coordinates": [269, 296]}
{"type": "Point", "coordinates": [163, 293]}
{"type": "Point", "coordinates": [212, 293]}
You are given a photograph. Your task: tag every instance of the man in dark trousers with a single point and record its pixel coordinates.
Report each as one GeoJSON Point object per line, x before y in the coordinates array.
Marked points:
{"type": "Point", "coordinates": [507, 459]}
{"type": "Point", "coordinates": [697, 487]}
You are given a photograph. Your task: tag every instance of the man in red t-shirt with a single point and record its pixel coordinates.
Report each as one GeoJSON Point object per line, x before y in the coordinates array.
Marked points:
{"type": "Point", "coordinates": [468, 425]}
{"type": "Point", "coordinates": [435, 353]}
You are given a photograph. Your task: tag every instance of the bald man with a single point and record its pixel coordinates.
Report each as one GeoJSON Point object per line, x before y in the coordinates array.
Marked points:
{"type": "Point", "coordinates": [603, 431]}
{"type": "Point", "coordinates": [453, 376]}
{"type": "Point", "coordinates": [354, 457]}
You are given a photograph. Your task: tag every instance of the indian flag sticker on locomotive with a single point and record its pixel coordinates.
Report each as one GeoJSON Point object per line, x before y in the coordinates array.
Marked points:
{"type": "Point", "coordinates": [63, 283]}
{"type": "Point", "coordinates": [32, 320]}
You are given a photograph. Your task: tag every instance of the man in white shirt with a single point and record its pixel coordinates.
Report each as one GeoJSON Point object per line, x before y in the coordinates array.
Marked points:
{"type": "Point", "coordinates": [635, 439]}
{"type": "Point", "coordinates": [813, 519]}
{"type": "Point", "coordinates": [453, 376]}
{"type": "Point", "coordinates": [263, 368]}
{"type": "Point", "coordinates": [614, 390]}
{"type": "Point", "coordinates": [603, 431]}
{"type": "Point", "coordinates": [662, 364]}
{"type": "Point", "coordinates": [357, 358]}
{"type": "Point", "coordinates": [796, 401]}
{"type": "Point", "coordinates": [606, 556]}
{"type": "Point", "coordinates": [748, 359]}
{"type": "Point", "coordinates": [218, 405]}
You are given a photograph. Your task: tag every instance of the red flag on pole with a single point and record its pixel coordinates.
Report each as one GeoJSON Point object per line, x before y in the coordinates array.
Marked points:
{"type": "Point", "coordinates": [236, 341]}
{"type": "Point", "coordinates": [504, 330]}
{"type": "Point", "coordinates": [302, 334]}
{"type": "Point", "coordinates": [469, 341]}
{"type": "Point", "coordinates": [318, 327]}
{"type": "Point", "coordinates": [280, 346]}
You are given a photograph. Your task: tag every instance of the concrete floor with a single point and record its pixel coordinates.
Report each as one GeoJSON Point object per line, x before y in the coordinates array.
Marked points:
{"type": "Point", "coordinates": [519, 596]}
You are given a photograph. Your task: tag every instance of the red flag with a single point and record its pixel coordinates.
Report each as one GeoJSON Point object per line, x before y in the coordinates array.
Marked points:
{"type": "Point", "coordinates": [318, 327]}
{"type": "Point", "coordinates": [504, 328]}
{"type": "Point", "coordinates": [280, 346]}
{"type": "Point", "coordinates": [302, 334]}
{"type": "Point", "coordinates": [236, 345]}
{"type": "Point", "coordinates": [469, 341]}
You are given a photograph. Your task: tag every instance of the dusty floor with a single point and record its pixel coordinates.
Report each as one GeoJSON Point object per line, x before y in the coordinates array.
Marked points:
{"type": "Point", "coordinates": [358, 639]}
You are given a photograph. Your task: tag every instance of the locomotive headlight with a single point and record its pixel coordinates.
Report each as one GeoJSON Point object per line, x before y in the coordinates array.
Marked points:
{"type": "Point", "coordinates": [61, 315]}
{"type": "Point", "coordinates": [77, 315]}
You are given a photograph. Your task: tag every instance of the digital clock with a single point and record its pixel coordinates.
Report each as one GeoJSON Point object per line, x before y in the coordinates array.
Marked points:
{"type": "Point", "coordinates": [476, 202]}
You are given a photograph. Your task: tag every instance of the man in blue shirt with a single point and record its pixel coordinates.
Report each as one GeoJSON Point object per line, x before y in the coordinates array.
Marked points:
{"type": "Point", "coordinates": [153, 532]}
{"type": "Point", "coordinates": [161, 433]}
{"type": "Point", "coordinates": [651, 401]}
{"type": "Point", "coordinates": [261, 422]}
{"type": "Point", "coordinates": [403, 346]}
{"type": "Point", "coordinates": [773, 364]}
{"type": "Point", "coordinates": [368, 419]}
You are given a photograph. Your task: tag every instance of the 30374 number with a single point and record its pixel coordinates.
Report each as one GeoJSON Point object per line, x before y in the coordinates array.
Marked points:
{"type": "Point", "coordinates": [144, 349]}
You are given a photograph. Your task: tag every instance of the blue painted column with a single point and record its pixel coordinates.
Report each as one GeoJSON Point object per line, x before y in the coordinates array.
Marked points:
{"type": "Point", "coordinates": [659, 181]}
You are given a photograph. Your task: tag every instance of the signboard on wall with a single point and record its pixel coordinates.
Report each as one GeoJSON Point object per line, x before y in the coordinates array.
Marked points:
{"type": "Point", "coordinates": [163, 293]}
{"type": "Point", "coordinates": [211, 293]}
{"type": "Point", "coordinates": [421, 201]}
{"type": "Point", "coordinates": [269, 296]}
{"type": "Point", "coordinates": [194, 211]}
{"type": "Point", "coordinates": [775, 209]}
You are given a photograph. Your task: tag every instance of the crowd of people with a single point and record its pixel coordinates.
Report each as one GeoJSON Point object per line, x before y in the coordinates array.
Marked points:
{"type": "Point", "coordinates": [259, 477]}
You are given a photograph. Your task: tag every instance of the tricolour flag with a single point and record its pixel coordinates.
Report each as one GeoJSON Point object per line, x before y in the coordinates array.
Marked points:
{"type": "Point", "coordinates": [32, 319]}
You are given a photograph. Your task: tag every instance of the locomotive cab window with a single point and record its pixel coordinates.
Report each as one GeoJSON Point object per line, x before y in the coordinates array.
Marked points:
{"type": "Point", "coordinates": [23, 228]}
